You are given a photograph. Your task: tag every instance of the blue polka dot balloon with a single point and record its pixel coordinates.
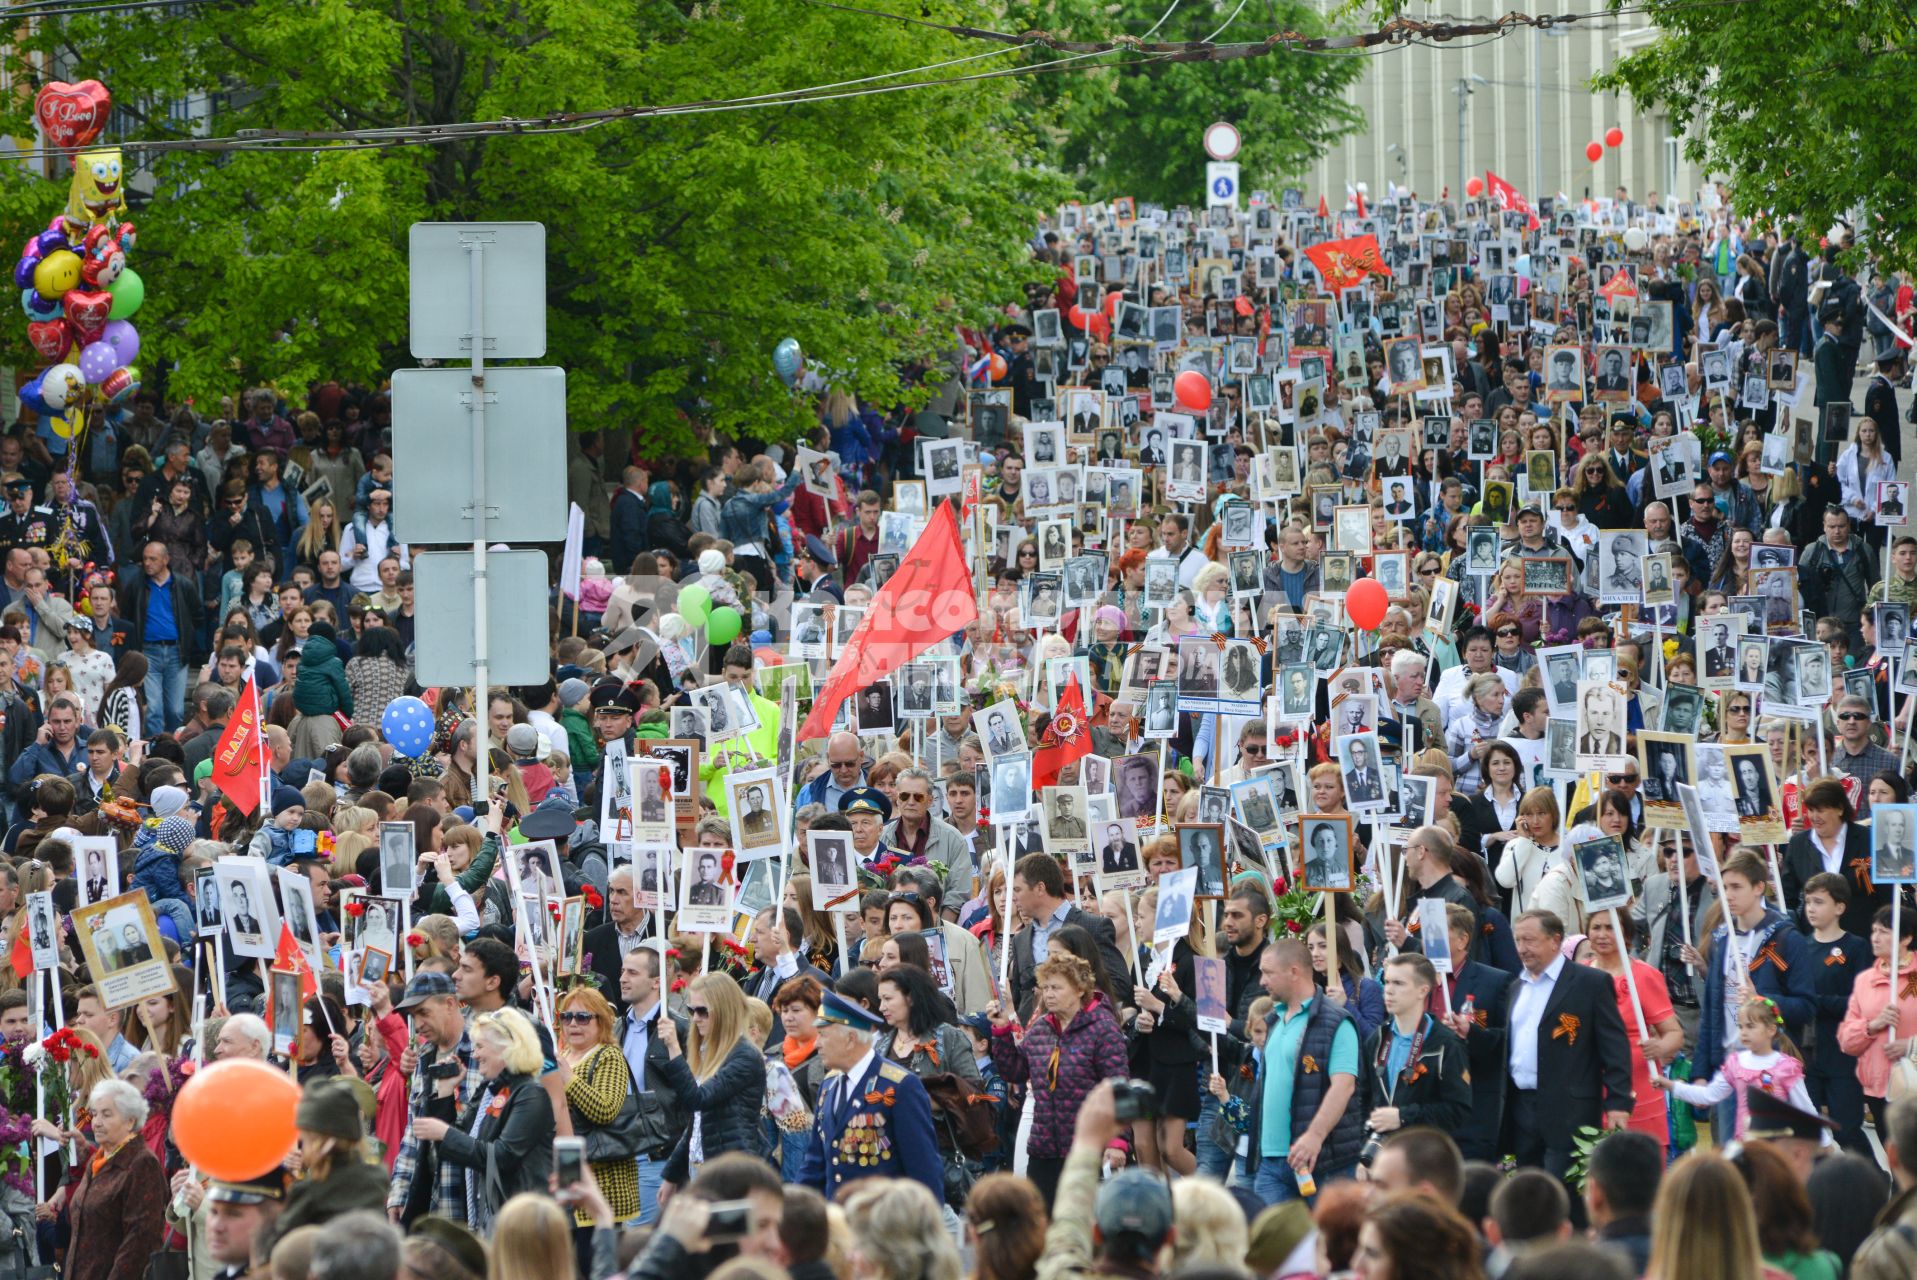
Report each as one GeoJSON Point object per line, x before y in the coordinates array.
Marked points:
{"type": "Point", "coordinates": [408, 725]}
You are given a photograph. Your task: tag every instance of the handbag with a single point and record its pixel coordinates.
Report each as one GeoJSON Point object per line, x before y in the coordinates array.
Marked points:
{"type": "Point", "coordinates": [1903, 1075]}
{"type": "Point", "coordinates": [618, 1140]}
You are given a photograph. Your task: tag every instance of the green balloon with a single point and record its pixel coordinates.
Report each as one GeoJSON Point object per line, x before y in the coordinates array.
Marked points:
{"type": "Point", "coordinates": [129, 291]}
{"type": "Point", "coordinates": [695, 598]}
{"type": "Point", "coordinates": [694, 612]}
{"type": "Point", "coordinates": [723, 626]}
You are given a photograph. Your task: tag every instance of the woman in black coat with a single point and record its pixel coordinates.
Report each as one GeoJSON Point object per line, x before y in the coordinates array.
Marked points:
{"type": "Point", "coordinates": [511, 1149]}
{"type": "Point", "coordinates": [1430, 1085]}
{"type": "Point", "coordinates": [720, 1079]}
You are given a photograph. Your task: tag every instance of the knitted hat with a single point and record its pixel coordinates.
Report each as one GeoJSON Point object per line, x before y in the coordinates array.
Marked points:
{"type": "Point", "coordinates": [712, 561]}
{"type": "Point", "coordinates": [285, 797]}
{"type": "Point", "coordinates": [174, 834]}
{"type": "Point", "coordinates": [167, 801]}
{"type": "Point", "coordinates": [328, 1107]}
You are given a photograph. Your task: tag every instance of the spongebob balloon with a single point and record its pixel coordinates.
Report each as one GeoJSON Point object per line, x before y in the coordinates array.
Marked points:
{"type": "Point", "coordinates": [96, 194]}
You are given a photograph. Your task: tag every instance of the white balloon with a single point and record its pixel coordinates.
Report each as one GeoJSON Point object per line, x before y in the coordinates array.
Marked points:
{"type": "Point", "coordinates": [1635, 239]}
{"type": "Point", "coordinates": [62, 385]}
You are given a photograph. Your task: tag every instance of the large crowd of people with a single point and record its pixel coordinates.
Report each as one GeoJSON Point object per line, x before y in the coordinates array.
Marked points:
{"type": "Point", "coordinates": [1421, 789]}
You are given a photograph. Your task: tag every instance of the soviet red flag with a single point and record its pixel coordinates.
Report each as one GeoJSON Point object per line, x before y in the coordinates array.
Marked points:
{"type": "Point", "coordinates": [1346, 262]}
{"type": "Point", "coordinates": [1067, 737]}
{"type": "Point", "coordinates": [239, 758]}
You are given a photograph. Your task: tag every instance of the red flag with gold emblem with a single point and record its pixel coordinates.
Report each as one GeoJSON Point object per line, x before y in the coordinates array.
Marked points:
{"type": "Point", "coordinates": [1067, 737]}
{"type": "Point", "coordinates": [239, 762]}
{"type": "Point", "coordinates": [1346, 262]}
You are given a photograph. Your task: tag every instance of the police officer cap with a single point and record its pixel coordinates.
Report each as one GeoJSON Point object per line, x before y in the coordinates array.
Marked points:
{"type": "Point", "coordinates": [866, 800]}
{"type": "Point", "coordinates": [1831, 309]}
{"type": "Point", "coordinates": [612, 695]}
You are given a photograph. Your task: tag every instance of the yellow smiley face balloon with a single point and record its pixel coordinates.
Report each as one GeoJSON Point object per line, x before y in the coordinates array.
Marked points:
{"type": "Point", "coordinates": [97, 192]}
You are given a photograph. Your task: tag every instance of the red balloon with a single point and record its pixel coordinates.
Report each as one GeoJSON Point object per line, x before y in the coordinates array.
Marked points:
{"type": "Point", "coordinates": [1594, 152]}
{"type": "Point", "coordinates": [1614, 137]}
{"type": "Point", "coordinates": [1112, 300]}
{"type": "Point", "coordinates": [1366, 603]}
{"type": "Point", "coordinates": [1474, 187]}
{"type": "Point", "coordinates": [1076, 314]}
{"type": "Point", "coordinates": [234, 1120]}
{"type": "Point", "coordinates": [1193, 391]}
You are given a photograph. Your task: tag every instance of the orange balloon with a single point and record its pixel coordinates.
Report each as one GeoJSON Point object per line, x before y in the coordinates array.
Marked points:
{"type": "Point", "coordinates": [997, 366]}
{"type": "Point", "coordinates": [234, 1120]}
{"type": "Point", "coordinates": [1366, 603]}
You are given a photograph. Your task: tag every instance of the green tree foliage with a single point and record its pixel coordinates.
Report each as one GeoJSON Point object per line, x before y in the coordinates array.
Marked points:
{"type": "Point", "coordinates": [1136, 127]}
{"type": "Point", "coordinates": [1796, 104]}
{"type": "Point", "coordinates": [682, 247]}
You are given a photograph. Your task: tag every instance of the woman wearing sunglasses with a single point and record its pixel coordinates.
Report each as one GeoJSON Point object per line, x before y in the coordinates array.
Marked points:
{"type": "Point", "coordinates": [605, 1110]}
{"type": "Point", "coordinates": [720, 1079]}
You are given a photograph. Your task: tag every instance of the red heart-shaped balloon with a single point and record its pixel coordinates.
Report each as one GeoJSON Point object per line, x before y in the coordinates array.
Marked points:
{"type": "Point", "coordinates": [72, 115]}
{"type": "Point", "coordinates": [86, 311]}
{"type": "Point", "coordinates": [51, 338]}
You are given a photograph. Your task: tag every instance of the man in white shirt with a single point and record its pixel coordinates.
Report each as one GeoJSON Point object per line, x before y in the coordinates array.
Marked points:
{"type": "Point", "coordinates": [1174, 543]}
{"type": "Point", "coordinates": [367, 539]}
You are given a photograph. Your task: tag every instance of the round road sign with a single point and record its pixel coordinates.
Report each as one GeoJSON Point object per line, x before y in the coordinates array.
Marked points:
{"type": "Point", "coordinates": [1221, 141]}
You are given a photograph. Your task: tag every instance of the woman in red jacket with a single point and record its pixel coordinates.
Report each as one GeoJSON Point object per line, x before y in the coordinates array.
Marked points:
{"type": "Point", "coordinates": [380, 1055]}
{"type": "Point", "coordinates": [1073, 1043]}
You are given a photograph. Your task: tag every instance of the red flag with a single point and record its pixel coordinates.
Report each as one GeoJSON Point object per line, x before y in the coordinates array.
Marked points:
{"type": "Point", "coordinates": [1619, 285]}
{"type": "Point", "coordinates": [239, 764]}
{"type": "Point", "coordinates": [1324, 210]}
{"type": "Point", "coordinates": [1344, 263]}
{"type": "Point", "coordinates": [289, 958]}
{"type": "Point", "coordinates": [1361, 202]}
{"type": "Point", "coordinates": [1067, 737]}
{"type": "Point", "coordinates": [926, 600]}
{"type": "Point", "coordinates": [1506, 196]}
{"type": "Point", "coordinates": [22, 954]}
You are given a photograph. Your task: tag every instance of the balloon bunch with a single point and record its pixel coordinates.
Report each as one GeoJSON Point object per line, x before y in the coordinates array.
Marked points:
{"type": "Point", "coordinates": [722, 623]}
{"type": "Point", "coordinates": [76, 287]}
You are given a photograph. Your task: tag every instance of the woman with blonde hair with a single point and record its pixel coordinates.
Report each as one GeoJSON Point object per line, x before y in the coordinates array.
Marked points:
{"type": "Point", "coordinates": [1702, 1224]}
{"type": "Point", "coordinates": [437, 938]}
{"type": "Point", "coordinates": [321, 533]}
{"type": "Point", "coordinates": [898, 1232]}
{"type": "Point", "coordinates": [1209, 1228]}
{"type": "Point", "coordinates": [503, 1139]}
{"type": "Point", "coordinates": [719, 1080]}
{"type": "Point", "coordinates": [531, 1240]}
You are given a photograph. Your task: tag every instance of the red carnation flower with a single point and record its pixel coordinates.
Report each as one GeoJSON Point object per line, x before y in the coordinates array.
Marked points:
{"type": "Point", "coordinates": [356, 908]}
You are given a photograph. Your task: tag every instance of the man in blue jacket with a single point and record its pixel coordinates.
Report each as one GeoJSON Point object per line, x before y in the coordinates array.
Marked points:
{"type": "Point", "coordinates": [58, 749]}
{"type": "Point", "coordinates": [875, 1118]}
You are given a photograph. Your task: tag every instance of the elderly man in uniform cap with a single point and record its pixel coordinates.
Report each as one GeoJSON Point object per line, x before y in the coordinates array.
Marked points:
{"type": "Point", "coordinates": [867, 809]}
{"type": "Point", "coordinates": [874, 1117]}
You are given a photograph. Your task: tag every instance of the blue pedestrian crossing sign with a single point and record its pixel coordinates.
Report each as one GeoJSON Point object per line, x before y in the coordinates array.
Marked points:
{"type": "Point", "coordinates": [1221, 182]}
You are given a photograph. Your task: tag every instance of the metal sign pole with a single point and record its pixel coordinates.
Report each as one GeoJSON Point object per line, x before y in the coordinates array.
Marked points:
{"type": "Point", "coordinates": [482, 672]}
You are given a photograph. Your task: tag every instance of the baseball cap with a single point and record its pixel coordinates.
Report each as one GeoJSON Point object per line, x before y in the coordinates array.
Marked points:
{"type": "Point", "coordinates": [1717, 457]}
{"type": "Point", "coordinates": [522, 740]}
{"type": "Point", "coordinates": [1135, 1203]}
{"type": "Point", "coordinates": [426, 984]}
